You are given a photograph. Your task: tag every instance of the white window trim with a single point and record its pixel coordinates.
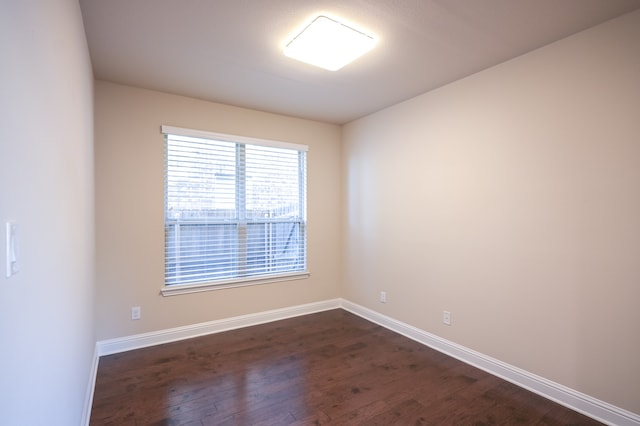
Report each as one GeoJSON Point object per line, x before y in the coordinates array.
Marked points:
{"type": "Point", "coordinates": [221, 285]}
{"type": "Point", "coordinates": [174, 290]}
{"type": "Point", "coordinates": [181, 131]}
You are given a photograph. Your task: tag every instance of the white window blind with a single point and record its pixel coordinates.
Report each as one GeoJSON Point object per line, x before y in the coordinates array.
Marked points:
{"type": "Point", "coordinates": [235, 208]}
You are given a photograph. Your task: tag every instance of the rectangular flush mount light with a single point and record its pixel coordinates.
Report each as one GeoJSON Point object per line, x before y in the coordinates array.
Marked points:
{"type": "Point", "coordinates": [328, 44]}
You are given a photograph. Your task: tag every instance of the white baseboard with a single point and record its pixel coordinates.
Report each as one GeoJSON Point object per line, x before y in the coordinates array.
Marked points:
{"type": "Point", "coordinates": [112, 346]}
{"type": "Point", "coordinates": [589, 406]}
{"type": "Point", "coordinates": [592, 407]}
{"type": "Point", "coordinates": [86, 412]}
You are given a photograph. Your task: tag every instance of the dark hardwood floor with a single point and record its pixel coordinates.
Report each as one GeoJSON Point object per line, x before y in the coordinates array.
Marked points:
{"type": "Point", "coordinates": [327, 368]}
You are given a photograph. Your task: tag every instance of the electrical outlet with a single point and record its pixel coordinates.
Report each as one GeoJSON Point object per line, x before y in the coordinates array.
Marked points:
{"type": "Point", "coordinates": [383, 297]}
{"type": "Point", "coordinates": [446, 317]}
{"type": "Point", "coordinates": [136, 313]}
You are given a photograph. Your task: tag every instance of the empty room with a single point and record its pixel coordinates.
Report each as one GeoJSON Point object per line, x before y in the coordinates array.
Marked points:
{"type": "Point", "coordinates": [205, 223]}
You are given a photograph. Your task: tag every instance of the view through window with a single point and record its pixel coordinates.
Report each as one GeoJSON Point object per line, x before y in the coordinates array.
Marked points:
{"type": "Point", "coordinates": [233, 210]}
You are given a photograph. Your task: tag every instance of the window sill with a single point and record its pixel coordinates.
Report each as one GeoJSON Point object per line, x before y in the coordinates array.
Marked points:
{"type": "Point", "coordinates": [176, 289]}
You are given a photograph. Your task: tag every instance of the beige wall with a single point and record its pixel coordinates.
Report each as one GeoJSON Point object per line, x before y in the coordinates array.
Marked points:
{"type": "Point", "coordinates": [512, 199]}
{"type": "Point", "coordinates": [46, 186]}
{"type": "Point", "coordinates": [129, 210]}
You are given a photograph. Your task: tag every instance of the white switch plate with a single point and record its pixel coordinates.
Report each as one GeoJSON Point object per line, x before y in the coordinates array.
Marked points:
{"type": "Point", "coordinates": [11, 244]}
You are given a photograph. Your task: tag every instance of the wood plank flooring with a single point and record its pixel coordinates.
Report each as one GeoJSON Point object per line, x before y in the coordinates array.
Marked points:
{"type": "Point", "coordinates": [329, 368]}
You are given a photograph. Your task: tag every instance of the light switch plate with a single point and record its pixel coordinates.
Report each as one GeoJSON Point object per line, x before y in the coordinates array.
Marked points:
{"type": "Point", "coordinates": [11, 244]}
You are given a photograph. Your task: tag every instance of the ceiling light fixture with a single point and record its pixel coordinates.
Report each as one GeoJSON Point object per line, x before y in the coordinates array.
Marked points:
{"type": "Point", "coordinates": [328, 44]}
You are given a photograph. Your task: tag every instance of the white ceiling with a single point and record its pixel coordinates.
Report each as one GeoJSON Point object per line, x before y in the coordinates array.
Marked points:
{"type": "Point", "coordinates": [230, 51]}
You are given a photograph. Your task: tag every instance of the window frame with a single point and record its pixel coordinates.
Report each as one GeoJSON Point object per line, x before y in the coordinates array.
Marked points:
{"type": "Point", "coordinates": [182, 288]}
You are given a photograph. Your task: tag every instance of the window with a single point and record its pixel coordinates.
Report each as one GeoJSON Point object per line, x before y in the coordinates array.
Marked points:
{"type": "Point", "coordinates": [235, 210]}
